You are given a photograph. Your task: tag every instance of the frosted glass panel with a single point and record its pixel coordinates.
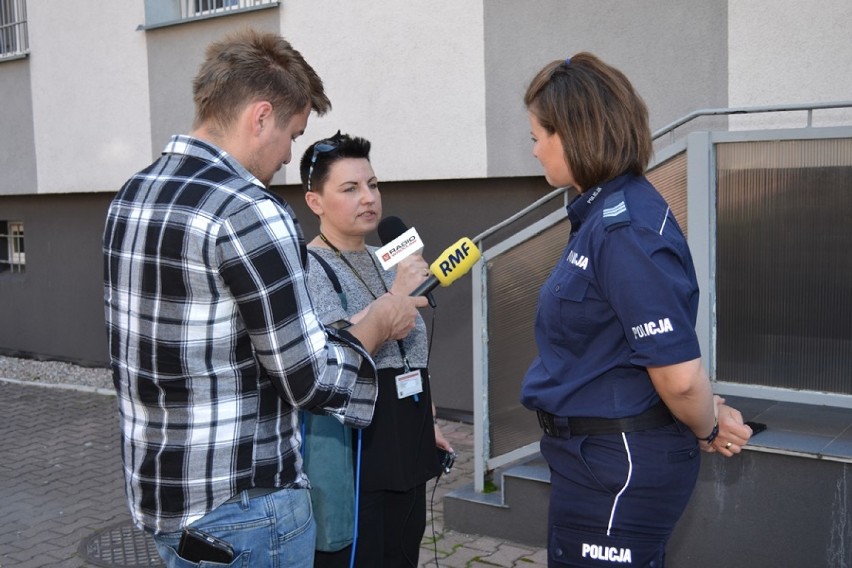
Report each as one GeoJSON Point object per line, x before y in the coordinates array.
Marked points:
{"type": "Point", "coordinates": [784, 264]}
{"type": "Point", "coordinates": [514, 280]}
{"type": "Point", "coordinates": [670, 180]}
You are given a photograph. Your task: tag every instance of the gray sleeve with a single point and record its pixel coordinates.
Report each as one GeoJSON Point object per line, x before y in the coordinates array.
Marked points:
{"type": "Point", "coordinates": [327, 303]}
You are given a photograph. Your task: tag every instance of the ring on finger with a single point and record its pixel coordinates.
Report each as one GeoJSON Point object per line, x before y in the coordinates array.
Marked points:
{"type": "Point", "coordinates": [728, 445]}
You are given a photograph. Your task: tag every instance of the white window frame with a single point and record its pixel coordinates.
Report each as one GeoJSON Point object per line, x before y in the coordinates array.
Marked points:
{"type": "Point", "coordinates": [164, 13]}
{"type": "Point", "coordinates": [14, 258]}
{"type": "Point", "coordinates": [17, 254]}
{"type": "Point", "coordinates": [14, 40]}
{"type": "Point", "coordinates": [205, 7]}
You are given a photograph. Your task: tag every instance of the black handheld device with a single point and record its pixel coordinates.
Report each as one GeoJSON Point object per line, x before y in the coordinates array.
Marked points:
{"type": "Point", "coordinates": [447, 459]}
{"type": "Point", "coordinates": [756, 427]}
{"type": "Point", "coordinates": [198, 546]}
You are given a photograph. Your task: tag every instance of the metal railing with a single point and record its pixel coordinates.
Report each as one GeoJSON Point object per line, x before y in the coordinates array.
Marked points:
{"type": "Point", "coordinates": [486, 458]}
{"type": "Point", "coordinates": [480, 238]}
{"type": "Point", "coordinates": [807, 108]}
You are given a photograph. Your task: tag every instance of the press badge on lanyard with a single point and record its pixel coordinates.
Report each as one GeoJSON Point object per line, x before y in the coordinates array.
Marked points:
{"type": "Point", "coordinates": [409, 384]}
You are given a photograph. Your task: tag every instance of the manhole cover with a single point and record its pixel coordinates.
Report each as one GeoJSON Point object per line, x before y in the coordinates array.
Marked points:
{"type": "Point", "coordinates": [122, 545]}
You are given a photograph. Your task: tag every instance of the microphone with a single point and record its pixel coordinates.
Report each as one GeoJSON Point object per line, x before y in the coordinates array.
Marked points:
{"type": "Point", "coordinates": [453, 263]}
{"type": "Point", "coordinates": [399, 242]}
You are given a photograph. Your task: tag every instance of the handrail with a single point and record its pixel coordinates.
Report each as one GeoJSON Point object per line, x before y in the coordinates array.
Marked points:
{"type": "Point", "coordinates": [529, 208]}
{"type": "Point", "coordinates": [483, 460]}
{"type": "Point", "coordinates": [810, 107]}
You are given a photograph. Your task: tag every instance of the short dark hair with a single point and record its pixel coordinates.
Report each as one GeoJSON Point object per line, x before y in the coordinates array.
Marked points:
{"type": "Point", "coordinates": [602, 121]}
{"type": "Point", "coordinates": [344, 146]}
{"type": "Point", "coordinates": [249, 66]}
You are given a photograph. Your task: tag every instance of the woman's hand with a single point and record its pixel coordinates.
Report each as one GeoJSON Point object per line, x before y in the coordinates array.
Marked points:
{"type": "Point", "coordinates": [685, 389]}
{"type": "Point", "coordinates": [410, 273]}
{"type": "Point", "coordinates": [388, 317]}
{"type": "Point", "coordinates": [733, 433]}
{"type": "Point", "coordinates": [441, 441]}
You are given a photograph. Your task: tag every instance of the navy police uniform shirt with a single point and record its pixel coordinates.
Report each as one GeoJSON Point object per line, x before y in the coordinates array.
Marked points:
{"type": "Point", "coordinates": [622, 297]}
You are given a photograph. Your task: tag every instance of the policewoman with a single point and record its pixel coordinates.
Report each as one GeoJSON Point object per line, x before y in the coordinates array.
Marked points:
{"type": "Point", "coordinates": [622, 398]}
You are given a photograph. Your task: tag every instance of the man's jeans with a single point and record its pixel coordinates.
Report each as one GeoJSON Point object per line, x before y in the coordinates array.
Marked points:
{"type": "Point", "coordinates": [270, 531]}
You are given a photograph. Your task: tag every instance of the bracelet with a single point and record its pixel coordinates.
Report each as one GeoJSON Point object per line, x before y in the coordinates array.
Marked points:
{"type": "Point", "coordinates": [713, 433]}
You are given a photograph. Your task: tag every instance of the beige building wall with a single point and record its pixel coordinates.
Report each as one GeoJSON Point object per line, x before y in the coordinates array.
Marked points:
{"type": "Point", "coordinates": [407, 75]}
{"type": "Point", "coordinates": [436, 85]}
{"type": "Point", "coordinates": [789, 52]}
{"type": "Point", "coordinates": [89, 93]}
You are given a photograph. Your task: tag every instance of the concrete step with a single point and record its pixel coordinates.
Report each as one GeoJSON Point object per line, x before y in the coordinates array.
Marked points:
{"type": "Point", "coordinates": [517, 511]}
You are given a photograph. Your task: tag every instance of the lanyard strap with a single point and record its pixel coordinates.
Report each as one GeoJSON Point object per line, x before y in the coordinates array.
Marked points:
{"type": "Point", "coordinates": [357, 274]}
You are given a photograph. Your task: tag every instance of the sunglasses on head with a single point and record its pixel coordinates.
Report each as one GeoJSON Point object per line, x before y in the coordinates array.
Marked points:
{"type": "Point", "coordinates": [320, 147]}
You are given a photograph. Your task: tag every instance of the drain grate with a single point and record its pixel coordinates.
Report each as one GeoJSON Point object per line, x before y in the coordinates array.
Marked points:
{"type": "Point", "coordinates": [122, 545]}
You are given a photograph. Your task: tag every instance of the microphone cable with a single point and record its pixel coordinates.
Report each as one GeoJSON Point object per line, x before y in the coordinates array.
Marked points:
{"type": "Point", "coordinates": [357, 501]}
{"type": "Point", "coordinates": [432, 497]}
{"type": "Point", "coordinates": [413, 504]}
{"type": "Point", "coordinates": [357, 491]}
{"type": "Point", "coordinates": [440, 470]}
{"type": "Point", "coordinates": [432, 515]}
{"type": "Point", "coordinates": [434, 307]}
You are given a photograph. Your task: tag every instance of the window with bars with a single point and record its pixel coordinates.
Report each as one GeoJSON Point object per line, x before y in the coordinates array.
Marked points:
{"type": "Point", "coordinates": [200, 7]}
{"type": "Point", "coordinates": [12, 253]}
{"type": "Point", "coordinates": [161, 13]}
{"type": "Point", "coordinates": [13, 28]}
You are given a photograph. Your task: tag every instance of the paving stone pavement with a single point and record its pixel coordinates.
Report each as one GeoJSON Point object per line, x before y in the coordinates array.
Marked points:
{"type": "Point", "coordinates": [62, 494]}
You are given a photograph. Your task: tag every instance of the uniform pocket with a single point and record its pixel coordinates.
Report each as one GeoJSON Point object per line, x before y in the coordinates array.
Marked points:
{"type": "Point", "coordinates": [686, 454]}
{"type": "Point", "coordinates": [573, 288]}
{"type": "Point", "coordinates": [564, 310]}
{"type": "Point", "coordinates": [605, 461]}
{"type": "Point", "coordinates": [569, 546]}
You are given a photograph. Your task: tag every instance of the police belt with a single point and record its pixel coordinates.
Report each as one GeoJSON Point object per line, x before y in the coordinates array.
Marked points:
{"type": "Point", "coordinates": [655, 417]}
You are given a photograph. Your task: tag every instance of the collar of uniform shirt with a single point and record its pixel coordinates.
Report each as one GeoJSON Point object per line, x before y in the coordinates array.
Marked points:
{"type": "Point", "coordinates": [581, 206]}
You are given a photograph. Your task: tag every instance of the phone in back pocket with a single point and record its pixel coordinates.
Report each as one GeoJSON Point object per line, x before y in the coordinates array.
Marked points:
{"type": "Point", "coordinates": [197, 546]}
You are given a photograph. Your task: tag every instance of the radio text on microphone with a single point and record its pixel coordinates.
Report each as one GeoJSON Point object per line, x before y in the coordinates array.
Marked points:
{"type": "Point", "coordinates": [399, 248]}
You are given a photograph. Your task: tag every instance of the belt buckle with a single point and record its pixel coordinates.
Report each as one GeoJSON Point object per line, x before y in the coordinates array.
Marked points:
{"type": "Point", "coordinates": [547, 423]}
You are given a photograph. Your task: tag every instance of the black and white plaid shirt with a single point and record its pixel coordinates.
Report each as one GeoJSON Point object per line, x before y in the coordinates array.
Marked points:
{"type": "Point", "coordinates": [213, 339]}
